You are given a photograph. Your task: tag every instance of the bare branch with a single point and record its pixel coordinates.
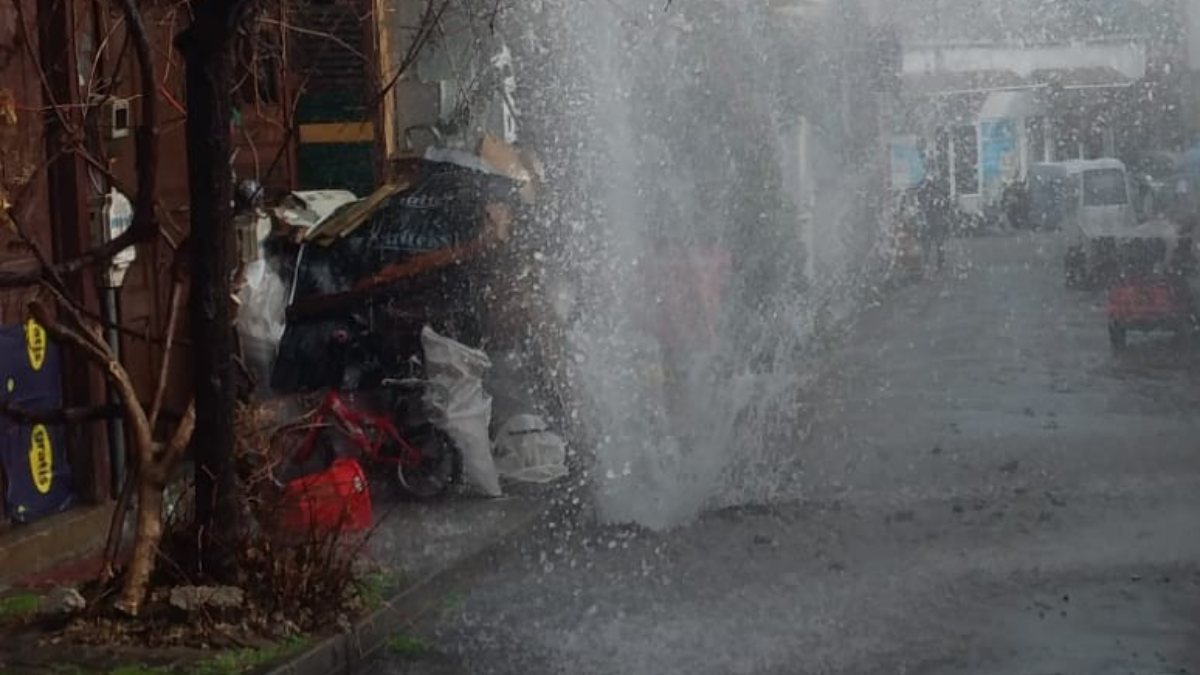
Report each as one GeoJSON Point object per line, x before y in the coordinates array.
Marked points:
{"type": "Point", "coordinates": [429, 20]}
{"type": "Point", "coordinates": [95, 65]}
{"type": "Point", "coordinates": [89, 258]}
{"type": "Point", "coordinates": [85, 329]}
{"type": "Point", "coordinates": [291, 129]}
{"type": "Point", "coordinates": [144, 223]}
{"type": "Point", "coordinates": [173, 451]}
{"type": "Point", "coordinates": [146, 143]}
{"type": "Point", "coordinates": [172, 320]}
{"type": "Point", "coordinates": [101, 357]}
{"type": "Point", "coordinates": [116, 524]}
{"type": "Point", "coordinates": [316, 33]}
{"type": "Point", "coordinates": [120, 185]}
{"type": "Point", "coordinates": [22, 415]}
{"type": "Point", "coordinates": [47, 90]}
{"type": "Point", "coordinates": [97, 354]}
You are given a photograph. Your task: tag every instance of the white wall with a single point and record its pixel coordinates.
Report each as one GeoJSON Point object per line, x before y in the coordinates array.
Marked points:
{"type": "Point", "coordinates": [1128, 58]}
{"type": "Point", "coordinates": [1192, 11]}
{"type": "Point", "coordinates": [1192, 100]}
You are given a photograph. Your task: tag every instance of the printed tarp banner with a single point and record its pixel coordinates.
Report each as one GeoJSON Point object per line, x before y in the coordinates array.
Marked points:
{"type": "Point", "coordinates": [999, 160]}
{"type": "Point", "coordinates": [908, 166]}
{"type": "Point", "coordinates": [37, 478]}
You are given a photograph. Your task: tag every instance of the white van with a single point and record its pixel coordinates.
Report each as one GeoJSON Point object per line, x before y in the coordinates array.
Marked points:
{"type": "Point", "coordinates": [1091, 201]}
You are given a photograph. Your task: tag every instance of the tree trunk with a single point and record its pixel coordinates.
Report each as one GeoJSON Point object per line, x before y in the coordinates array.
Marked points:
{"type": "Point", "coordinates": [207, 49]}
{"type": "Point", "coordinates": [145, 548]}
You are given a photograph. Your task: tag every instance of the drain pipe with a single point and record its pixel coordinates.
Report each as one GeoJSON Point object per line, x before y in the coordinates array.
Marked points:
{"type": "Point", "coordinates": [116, 425]}
{"type": "Point", "coordinates": [115, 218]}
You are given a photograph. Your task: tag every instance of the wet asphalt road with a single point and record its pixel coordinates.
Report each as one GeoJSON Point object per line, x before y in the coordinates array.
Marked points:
{"type": "Point", "coordinates": [985, 488]}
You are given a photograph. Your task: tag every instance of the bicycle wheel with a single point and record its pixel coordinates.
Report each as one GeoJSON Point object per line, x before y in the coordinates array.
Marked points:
{"type": "Point", "coordinates": [439, 466]}
{"type": "Point", "coordinates": [304, 448]}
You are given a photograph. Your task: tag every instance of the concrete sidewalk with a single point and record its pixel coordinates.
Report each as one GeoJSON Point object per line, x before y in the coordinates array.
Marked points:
{"type": "Point", "coordinates": [415, 540]}
{"type": "Point", "coordinates": [424, 552]}
{"type": "Point", "coordinates": [418, 556]}
{"type": "Point", "coordinates": [63, 548]}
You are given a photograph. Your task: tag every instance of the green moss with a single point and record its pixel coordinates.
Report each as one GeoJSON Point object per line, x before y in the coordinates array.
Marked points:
{"type": "Point", "coordinates": [19, 605]}
{"type": "Point", "coordinates": [139, 669]}
{"type": "Point", "coordinates": [454, 601]}
{"type": "Point", "coordinates": [242, 661]}
{"type": "Point", "coordinates": [372, 589]}
{"type": "Point", "coordinates": [376, 588]}
{"type": "Point", "coordinates": [407, 645]}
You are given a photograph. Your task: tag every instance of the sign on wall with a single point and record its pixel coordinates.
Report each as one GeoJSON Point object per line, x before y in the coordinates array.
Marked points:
{"type": "Point", "coordinates": [998, 158]}
{"type": "Point", "coordinates": [37, 477]}
{"type": "Point", "coordinates": [908, 165]}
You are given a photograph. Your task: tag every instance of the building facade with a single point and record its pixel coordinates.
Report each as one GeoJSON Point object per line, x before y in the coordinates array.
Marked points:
{"type": "Point", "coordinates": [977, 112]}
{"type": "Point", "coordinates": [78, 76]}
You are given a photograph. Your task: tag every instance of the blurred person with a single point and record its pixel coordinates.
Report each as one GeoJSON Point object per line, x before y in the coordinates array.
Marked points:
{"type": "Point", "coordinates": [934, 201]}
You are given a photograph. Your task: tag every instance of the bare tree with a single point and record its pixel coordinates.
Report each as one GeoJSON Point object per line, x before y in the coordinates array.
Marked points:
{"type": "Point", "coordinates": [203, 273]}
{"type": "Point", "coordinates": [66, 319]}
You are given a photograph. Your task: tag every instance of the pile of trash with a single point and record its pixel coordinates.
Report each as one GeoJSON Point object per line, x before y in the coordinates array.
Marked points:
{"type": "Point", "coordinates": [368, 295]}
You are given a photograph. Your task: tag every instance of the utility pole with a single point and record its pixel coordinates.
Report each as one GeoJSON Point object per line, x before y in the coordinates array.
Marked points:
{"type": "Point", "coordinates": [207, 48]}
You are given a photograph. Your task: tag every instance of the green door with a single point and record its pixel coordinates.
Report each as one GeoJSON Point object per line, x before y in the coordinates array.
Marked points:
{"type": "Point", "coordinates": [335, 118]}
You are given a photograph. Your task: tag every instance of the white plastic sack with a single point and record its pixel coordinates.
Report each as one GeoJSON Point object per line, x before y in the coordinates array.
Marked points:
{"type": "Point", "coordinates": [261, 317]}
{"type": "Point", "coordinates": [527, 451]}
{"type": "Point", "coordinates": [310, 208]}
{"type": "Point", "coordinates": [460, 405]}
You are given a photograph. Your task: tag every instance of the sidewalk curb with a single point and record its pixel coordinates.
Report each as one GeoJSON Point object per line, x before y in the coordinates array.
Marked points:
{"type": "Point", "coordinates": [41, 552]}
{"type": "Point", "coordinates": [340, 654]}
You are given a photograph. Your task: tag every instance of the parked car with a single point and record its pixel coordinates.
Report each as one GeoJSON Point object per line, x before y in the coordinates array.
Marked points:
{"type": "Point", "coordinates": [1091, 202]}
{"type": "Point", "coordinates": [1151, 290]}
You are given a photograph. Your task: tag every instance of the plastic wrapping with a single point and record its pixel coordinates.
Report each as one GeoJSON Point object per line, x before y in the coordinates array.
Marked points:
{"type": "Point", "coordinates": [527, 451]}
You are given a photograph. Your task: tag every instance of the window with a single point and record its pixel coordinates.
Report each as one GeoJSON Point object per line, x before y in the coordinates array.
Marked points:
{"type": "Point", "coordinates": [1105, 187]}
{"type": "Point", "coordinates": [966, 160]}
{"type": "Point", "coordinates": [1035, 139]}
{"type": "Point", "coordinates": [937, 163]}
{"type": "Point", "coordinates": [1095, 142]}
{"type": "Point", "coordinates": [1067, 142]}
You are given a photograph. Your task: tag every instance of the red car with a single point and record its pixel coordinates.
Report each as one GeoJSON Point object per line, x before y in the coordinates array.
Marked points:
{"type": "Point", "coordinates": [1147, 303]}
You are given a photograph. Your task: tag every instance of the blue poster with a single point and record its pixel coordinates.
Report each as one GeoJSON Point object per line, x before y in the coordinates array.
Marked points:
{"type": "Point", "coordinates": [33, 457]}
{"type": "Point", "coordinates": [908, 166]}
{"type": "Point", "coordinates": [998, 146]}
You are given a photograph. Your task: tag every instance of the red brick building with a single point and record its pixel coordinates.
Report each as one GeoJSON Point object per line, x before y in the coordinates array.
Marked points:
{"type": "Point", "coordinates": [70, 60]}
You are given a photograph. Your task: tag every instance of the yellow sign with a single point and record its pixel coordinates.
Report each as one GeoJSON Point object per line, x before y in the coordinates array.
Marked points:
{"type": "Point", "coordinates": [35, 344]}
{"type": "Point", "coordinates": [41, 458]}
{"type": "Point", "coordinates": [337, 132]}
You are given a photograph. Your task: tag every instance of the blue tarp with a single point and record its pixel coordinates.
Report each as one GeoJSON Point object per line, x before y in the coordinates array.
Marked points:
{"type": "Point", "coordinates": [37, 477]}
{"type": "Point", "coordinates": [1191, 161]}
{"type": "Point", "coordinates": [908, 166]}
{"type": "Point", "coordinates": [998, 140]}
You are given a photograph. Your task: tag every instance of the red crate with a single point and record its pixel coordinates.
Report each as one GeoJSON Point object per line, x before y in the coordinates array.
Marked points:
{"type": "Point", "coordinates": [337, 498]}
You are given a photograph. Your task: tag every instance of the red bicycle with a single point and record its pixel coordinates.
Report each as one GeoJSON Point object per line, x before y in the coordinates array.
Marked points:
{"type": "Point", "coordinates": [424, 460]}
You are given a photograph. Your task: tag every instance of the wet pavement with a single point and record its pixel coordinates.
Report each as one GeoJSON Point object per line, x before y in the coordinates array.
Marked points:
{"type": "Point", "coordinates": [414, 540]}
{"type": "Point", "coordinates": [985, 487]}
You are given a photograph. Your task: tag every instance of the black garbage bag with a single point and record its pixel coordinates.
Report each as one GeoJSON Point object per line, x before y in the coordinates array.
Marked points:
{"type": "Point", "coordinates": [443, 208]}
